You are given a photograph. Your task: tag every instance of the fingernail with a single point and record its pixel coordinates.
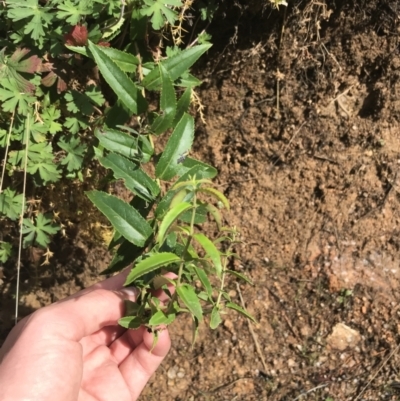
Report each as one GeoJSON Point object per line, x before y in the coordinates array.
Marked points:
{"type": "Point", "coordinates": [132, 292]}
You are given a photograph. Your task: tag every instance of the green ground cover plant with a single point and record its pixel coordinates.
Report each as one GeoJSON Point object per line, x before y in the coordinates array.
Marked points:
{"type": "Point", "coordinates": [95, 82]}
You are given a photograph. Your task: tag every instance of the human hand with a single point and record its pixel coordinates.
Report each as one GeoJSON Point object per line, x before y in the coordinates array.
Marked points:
{"type": "Point", "coordinates": [74, 350]}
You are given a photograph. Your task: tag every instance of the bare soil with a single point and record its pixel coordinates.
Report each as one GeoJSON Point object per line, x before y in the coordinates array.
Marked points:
{"type": "Point", "coordinates": [302, 112]}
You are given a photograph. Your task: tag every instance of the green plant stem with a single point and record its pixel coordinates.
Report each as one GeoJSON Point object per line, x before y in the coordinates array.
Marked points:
{"type": "Point", "coordinates": [224, 270]}
{"type": "Point", "coordinates": [222, 282]}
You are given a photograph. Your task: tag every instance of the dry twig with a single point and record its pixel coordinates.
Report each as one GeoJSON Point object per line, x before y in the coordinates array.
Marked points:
{"type": "Point", "coordinates": [253, 334]}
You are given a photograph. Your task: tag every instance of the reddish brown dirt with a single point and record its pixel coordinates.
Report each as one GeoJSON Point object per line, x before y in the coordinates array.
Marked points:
{"type": "Point", "coordinates": [313, 178]}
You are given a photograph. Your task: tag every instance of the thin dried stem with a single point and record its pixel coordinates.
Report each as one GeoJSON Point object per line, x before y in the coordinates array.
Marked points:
{"type": "Point", "coordinates": [3, 172]}
{"type": "Point", "coordinates": [376, 373]}
{"type": "Point", "coordinates": [27, 132]}
{"type": "Point", "coordinates": [253, 334]}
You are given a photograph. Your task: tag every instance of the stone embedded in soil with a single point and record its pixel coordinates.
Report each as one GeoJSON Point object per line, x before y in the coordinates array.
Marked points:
{"type": "Point", "coordinates": [343, 337]}
{"type": "Point", "coordinates": [172, 372]}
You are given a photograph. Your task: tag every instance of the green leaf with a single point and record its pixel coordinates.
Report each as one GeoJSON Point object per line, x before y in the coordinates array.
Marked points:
{"type": "Point", "coordinates": [215, 318]}
{"type": "Point", "coordinates": [183, 105]}
{"type": "Point", "coordinates": [199, 171]}
{"type": "Point", "coordinates": [83, 103]}
{"type": "Point", "coordinates": [124, 88]}
{"type": "Point", "coordinates": [131, 322]}
{"type": "Point", "coordinates": [160, 318]}
{"type": "Point", "coordinates": [13, 99]}
{"type": "Point", "coordinates": [211, 251]}
{"type": "Point", "coordinates": [74, 153]}
{"type": "Point", "coordinates": [119, 142]}
{"type": "Point", "coordinates": [199, 218]}
{"type": "Point", "coordinates": [188, 81]}
{"type": "Point", "coordinates": [11, 204]}
{"type": "Point", "coordinates": [72, 12]}
{"type": "Point", "coordinates": [75, 124]}
{"type": "Point", "coordinates": [170, 218]}
{"type": "Point", "coordinates": [239, 309]}
{"type": "Point", "coordinates": [10, 68]}
{"type": "Point", "coordinates": [175, 66]}
{"type": "Point", "coordinates": [40, 232]}
{"type": "Point", "coordinates": [5, 251]}
{"type": "Point", "coordinates": [202, 275]}
{"type": "Point", "coordinates": [241, 276]}
{"type": "Point", "coordinates": [40, 161]}
{"type": "Point", "coordinates": [135, 179]}
{"type": "Point", "coordinates": [215, 213]}
{"type": "Point", "coordinates": [128, 252]}
{"type": "Point", "coordinates": [167, 104]}
{"type": "Point", "coordinates": [126, 61]}
{"type": "Point", "coordinates": [50, 116]}
{"type": "Point", "coordinates": [161, 11]}
{"type": "Point", "coordinates": [37, 17]}
{"type": "Point", "coordinates": [189, 298]}
{"type": "Point", "coordinates": [217, 195]}
{"type": "Point", "coordinates": [189, 163]}
{"type": "Point", "coordinates": [178, 144]}
{"type": "Point", "coordinates": [95, 95]}
{"type": "Point", "coordinates": [123, 217]}
{"type": "Point", "coordinates": [153, 262]}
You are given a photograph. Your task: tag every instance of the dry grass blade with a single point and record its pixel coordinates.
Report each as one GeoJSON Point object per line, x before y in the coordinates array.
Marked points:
{"type": "Point", "coordinates": [6, 153]}
{"type": "Point", "coordinates": [253, 334]}
{"type": "Point", "coordinates": [376, 373]}
{"type": "Point", "coordinates": [27, 132]}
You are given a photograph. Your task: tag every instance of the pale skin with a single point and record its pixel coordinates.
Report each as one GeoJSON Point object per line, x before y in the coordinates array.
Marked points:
{"type": "Point", "coordinates": [74, 350]}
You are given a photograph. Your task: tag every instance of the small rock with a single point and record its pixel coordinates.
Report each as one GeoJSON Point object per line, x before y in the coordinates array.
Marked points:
{"type": "Point", "coordinates": [343, 337]}
{"type": "Point", "coordinates": [228, 324]}
{"type": "Point", "coordinates": [306, 331]}
{"type": "Point", "coordinates": [172, 372]}
{"type": "Point", "coordinates": [181, 374]}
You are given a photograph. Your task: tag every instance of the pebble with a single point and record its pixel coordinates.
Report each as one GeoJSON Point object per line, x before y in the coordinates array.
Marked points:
{"type": "Point", "coordinates": [343, 337]}
{"type": "Point", "coordinates": [172, 372]}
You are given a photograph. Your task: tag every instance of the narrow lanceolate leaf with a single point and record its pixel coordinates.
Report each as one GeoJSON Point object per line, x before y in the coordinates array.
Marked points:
{"type": "Point", "coordinates": [241, 276]}
{"type": "Point", "coordinates": [123, 217]}
{"type": "Point", "coordinates": [175, 66]}
{"type": "Point", "coordinates": [199, 171]}
{"type": "Point", "coordinates": [126, 61]}
{"type": "Point", "coordinates": [215, 318]}
{"type": "Point", "coordinates": [190, 163]}
{"type": "Point", "coordinates": [215, 213]}
{"type": "Point", "coordinates": [160, 318]}
{"type": "Point", "coordinates": [202, 275]}
{"type": "Point", "coordinates": [239, 309]}
{"type": "Point", "coordinates": [219, 196]}
{"type": "Point", "coordinates": [119, 142]}
{"type": "Point", "coordinates": [167, 104]}
{"type": "Point", "coordinates": [153, 262]}
{"type": "Point", "coordinates": [135, 178]}
{"type": "Point", "coordinates": [170, 218]}
{"type": "Point", "coordinates": [127, 92]}
{"type": "Point", "coordinates": [189, 297]}
{"type": "Point", "coordinates": [178, 145]}
{"type": "Point", "coordinates": [183, 105]}
{"type": "Point", "coordinates": [131, 322]}
{"type": "Point", "coordinates": [179, 197]}
{"type": "Point", "coordinates": [211, 251]}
